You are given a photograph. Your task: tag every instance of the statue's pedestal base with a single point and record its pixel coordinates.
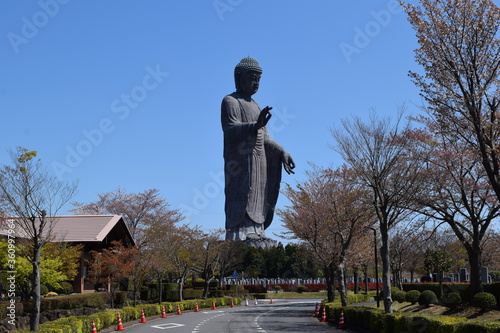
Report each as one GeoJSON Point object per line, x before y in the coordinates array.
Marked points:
{"type": "Point", "coordinates": [261, 243]}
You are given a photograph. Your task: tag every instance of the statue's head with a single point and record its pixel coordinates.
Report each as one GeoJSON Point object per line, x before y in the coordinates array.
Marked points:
{"type": "Point", "coordinates": [247, 76]}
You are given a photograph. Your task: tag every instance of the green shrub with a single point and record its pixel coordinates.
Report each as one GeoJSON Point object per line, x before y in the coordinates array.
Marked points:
{"type": "Point", "coordinates": [412, 296]}
{"type": "Point", "coordinates": [399, 296]}
{"type": "Point", "coordinates": [43, 289]}
{"type": "Point", "coordinates": [301, 289]}
{"type": "Point", "coordinates": [65, 288]}
{"type": "Point", "coordinates": [484, 300]}
{"type": "Point", "coordinates": [451, 300]}
{"type": "Point", "coordinates": [427, 297]}
{"type": "Point", "coordinates": [357, 298]}
{"type": "Point", "coordinates": [69, 325]}
{"type": "Point", "coordinates": [493, 288]}
{"type": "Point", "coordinates": [93, 300]}
{"type": "Point", "coordinates": [277, 288]}
{"type": "Point", "coordinates": [461, 288]}
{"type": "Point", "coordinates": [192, 294]}
{"type": "Point", "coordinates": [394, 290]}
{"type": "Point", "coordinates": [120, 297]}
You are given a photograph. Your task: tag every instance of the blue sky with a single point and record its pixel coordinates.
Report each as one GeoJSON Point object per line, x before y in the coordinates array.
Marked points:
{"type": "Point", "coordinates": [127, 94]}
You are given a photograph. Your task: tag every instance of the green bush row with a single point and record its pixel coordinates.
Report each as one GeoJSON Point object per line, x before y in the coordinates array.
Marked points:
{"type": "Point", "coordinates": [108, 318]}
{"type": "Point", "coordinates": [358, 298]}
{"type": "Point", "coordinates": [375, 320]}
{"type": "Point", "coordinates": [90, 300]}
{"type": "Point", "coordinates": [463, 289]}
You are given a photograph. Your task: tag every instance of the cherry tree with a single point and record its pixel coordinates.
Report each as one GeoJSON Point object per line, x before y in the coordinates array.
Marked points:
{"type": "Point", "coordinates": [386, 162]}
{"type": "Point", "coordinates": [328, 211]}
{"type": "Point", "coordinates": [460, 56]}
{"type": "Point", "coordinates": [459, 193]}
{"type": "Point", "coordinates": [139, 211]}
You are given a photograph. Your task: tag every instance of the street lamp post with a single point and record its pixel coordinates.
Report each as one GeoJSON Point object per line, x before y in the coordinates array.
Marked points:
{"type": "Point", "coordinates": [376, 264]}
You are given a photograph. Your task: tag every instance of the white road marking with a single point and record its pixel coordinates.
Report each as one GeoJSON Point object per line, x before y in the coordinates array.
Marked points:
{"type": "Point", "coordinates": [167, 326]}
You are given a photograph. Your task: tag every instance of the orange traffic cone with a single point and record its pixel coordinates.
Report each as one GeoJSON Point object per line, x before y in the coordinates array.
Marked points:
{"type": "Point", "coordinates": [232, 303]}
{"type": "Point", "coordinates": [246, 301]}
{"type": "Point", "coordinates": [271, 302]}
{"type": "Point", "coordinates": [323, 315]}
{"type": "Point", "coordinates": [196, 308]}
{"type": "Point", "coordinates": [119, 327]}
{"type": "Point", "coordinates": [143, 317]}
{"type": "Point", "coordinates": [179, 312]}
{"type": "Point", "coordinates": [214, 307]}
{"type": "Point", "coordinates": [341, 321]}
{"type": "Point", "coordinates": [94, 329]}
{"type": "Point", "coordinates": [163, 313]}
{"type": "Point", "coordinates": [316, 310]}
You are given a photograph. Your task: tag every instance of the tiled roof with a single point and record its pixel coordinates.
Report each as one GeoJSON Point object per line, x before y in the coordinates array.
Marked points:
{"type": "Point", "coordinates": [82, 228]}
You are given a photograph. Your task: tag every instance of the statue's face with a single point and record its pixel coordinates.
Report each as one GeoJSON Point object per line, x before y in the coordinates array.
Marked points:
{"type": "Point", "coordinates": [249, 82]}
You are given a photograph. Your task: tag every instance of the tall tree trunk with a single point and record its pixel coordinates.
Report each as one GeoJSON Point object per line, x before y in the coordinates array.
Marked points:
{"type": "Point", "coordinates": [206, 287]}
{"type": "Point", "coordinates": [342, 287]}
{"type": "Point", "coordinates": [135, 284]}
{"type": "Point", "coordinates": [160, 289]}
{"type": "Point", "coordinates": [181, 288]}
{"type": "Point", "coordinates": [330, 282]}
{"type": "Point", "coordinates": [35, 291]}
{"type": "Point", "coordinates": [475, 268]}
{"type": "Point", "coordinates": [386, 267]}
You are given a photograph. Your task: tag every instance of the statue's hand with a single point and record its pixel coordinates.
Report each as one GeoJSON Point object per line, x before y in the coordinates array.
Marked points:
{"type": "Point", "coordinates": [288, 163]}
{"type": "Point", "coordinates": [264, 117]}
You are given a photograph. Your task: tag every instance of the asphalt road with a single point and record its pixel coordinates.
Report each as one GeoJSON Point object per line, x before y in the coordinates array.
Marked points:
{"type": "Point", "coordinates": [287, 315]}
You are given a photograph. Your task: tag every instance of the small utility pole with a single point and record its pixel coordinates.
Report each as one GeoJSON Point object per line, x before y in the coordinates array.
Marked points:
{"type": "Point", "coordinates": [376, 264]}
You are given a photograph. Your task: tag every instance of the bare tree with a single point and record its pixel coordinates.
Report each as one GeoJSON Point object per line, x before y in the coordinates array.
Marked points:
{"type": "Point", "coordinates": [460, 55]}
{"type": "Point", "coordinates": [404, 245]}
{"type": "Point", "coordinates": [458, 193]}
{"type": "Point", "coordinates": [33, 197]}
{"type": "Point", "coordinates": [384, 158]}
{"type": "Point", "coordinates": [329, 211]}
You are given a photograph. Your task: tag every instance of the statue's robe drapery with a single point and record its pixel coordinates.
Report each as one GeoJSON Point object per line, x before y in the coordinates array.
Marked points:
{"type": "Point", "coordinates": [252, 164]}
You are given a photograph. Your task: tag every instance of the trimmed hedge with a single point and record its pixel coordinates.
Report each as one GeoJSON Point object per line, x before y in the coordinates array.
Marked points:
{"type": "Point", "coordinates": [412, 296]}
{"type": "Point", "coordinates": [451, 300]}
{"type": "Point", "coordinates": [484, 300]}
{"type": "Point", "coordinates": [358, 298]}
{"type": "Point", "coordinates": [108, 318]}
{"type": "Point", "coordinates": [461, 288]}
{"type": "Point", "coordinates": [375, 320]}
{"type": "Point", "coordinates": [90, 300]}
{"type": "Point", "coordinates": [427, 297]}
